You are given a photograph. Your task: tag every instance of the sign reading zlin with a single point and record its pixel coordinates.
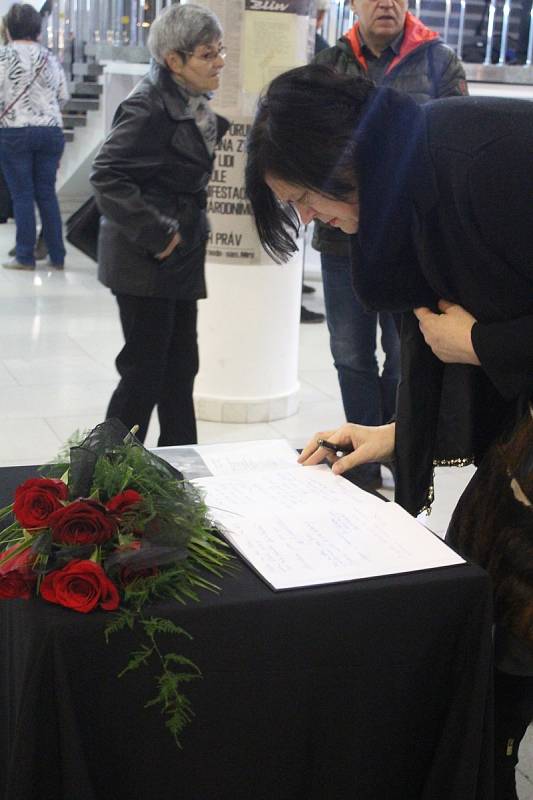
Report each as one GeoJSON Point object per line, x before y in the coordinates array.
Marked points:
{"type": "Point", "coordinates": [300, 7]}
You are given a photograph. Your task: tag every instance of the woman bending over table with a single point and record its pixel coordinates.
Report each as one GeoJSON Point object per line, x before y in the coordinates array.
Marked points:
{"type": "Point", "coordinates": [437, 200]}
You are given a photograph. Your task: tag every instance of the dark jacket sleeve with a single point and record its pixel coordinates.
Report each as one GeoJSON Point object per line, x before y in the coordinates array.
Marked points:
{"type": "Point", "coordinates": [500, 192]}
{"type": "Point", "coordinates": [449, 77]}
{"type": "Point", "coordinates": [121, 168]}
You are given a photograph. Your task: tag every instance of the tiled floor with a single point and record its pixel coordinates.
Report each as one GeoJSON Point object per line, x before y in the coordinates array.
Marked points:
{"type": "Point", "coordinates": [59, 335]}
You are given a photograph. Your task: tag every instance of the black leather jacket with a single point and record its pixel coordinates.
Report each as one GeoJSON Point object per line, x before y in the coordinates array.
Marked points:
{"type": "Point", "coordinates": [150, 180]}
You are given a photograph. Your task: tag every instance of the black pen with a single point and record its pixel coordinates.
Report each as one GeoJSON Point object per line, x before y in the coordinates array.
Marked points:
{"type": "Point", "coordinates": [335, 448]}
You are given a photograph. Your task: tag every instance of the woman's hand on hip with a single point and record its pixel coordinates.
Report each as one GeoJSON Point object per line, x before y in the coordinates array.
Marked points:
{"type": "Point", "coordinates": [174, 242]}
{"type": "Point", "coordinates": [449, 334]}
{"type": "Point", "coordinates": [366, 443]}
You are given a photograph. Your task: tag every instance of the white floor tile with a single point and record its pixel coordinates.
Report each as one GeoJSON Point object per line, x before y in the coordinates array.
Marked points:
{"type": "Point", "coordinates": [524, 787]}
{"type": "Point", "coordinates": [212, 432]}
{"type": "Point", "coordinates": [449, 484]}
{"type": "Point", "coordinates": [323, 379]}
{"type": "Point", "coordinates": [27, 441]}
{"type": "Point", "coordinates": [67, 426]}
{"type": "Point", "coordinates": [54, 370]}
{"type": "Point", "coordinates": [312, 417]}
{"type": "Point", "coordinates": [6, 378]}
{"type": "Point", "coordinates": [55, 400]}
{"type": "Point", "coordinates": [526, 758]}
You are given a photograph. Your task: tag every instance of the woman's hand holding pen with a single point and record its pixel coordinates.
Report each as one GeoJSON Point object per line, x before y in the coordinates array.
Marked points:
{"type": "Point", "coordinates": [361, 443]}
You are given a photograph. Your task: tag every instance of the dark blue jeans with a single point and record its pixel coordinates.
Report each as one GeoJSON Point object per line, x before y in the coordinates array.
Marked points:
{"type": "Point", "coordinates": [30, 158]}
{"type": "Point", "coordinates": [368, 397]}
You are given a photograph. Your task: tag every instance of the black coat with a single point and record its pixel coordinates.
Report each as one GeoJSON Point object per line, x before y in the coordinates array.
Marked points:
{"type": "Point", "coordinates": [150, 180]}
{"type": "Point", "coordinates": [445, 212]}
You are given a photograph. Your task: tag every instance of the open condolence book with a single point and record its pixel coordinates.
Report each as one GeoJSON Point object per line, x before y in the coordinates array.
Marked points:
{"type": "Point", "coordinates": [304, 526]}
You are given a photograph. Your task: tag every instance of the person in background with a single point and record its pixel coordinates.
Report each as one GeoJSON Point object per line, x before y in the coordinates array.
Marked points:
{"type": "Point", "coordinates": [32, 90]}
{"type": "Point", "coordinates": [6, 205]}
{"type": "Point", "coordinates": [393, 48]}
{"type": "Point", "coordinates": [150, 179]}
{"type": "Point", "coordinates": [436, 200]}
{"type": "Point", "coordinates": [322, 7]}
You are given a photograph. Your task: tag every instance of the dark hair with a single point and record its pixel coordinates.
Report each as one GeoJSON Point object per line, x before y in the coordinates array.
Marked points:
{"type": "Point", "coordinates": [303, 133]}
{"type": "Point", "coordinates": [23, 22]}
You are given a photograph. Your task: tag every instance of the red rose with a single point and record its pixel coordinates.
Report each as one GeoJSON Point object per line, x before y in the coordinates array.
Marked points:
{"type": "Point", "coordinates": [81, 585]}
{"type": "Point", "coordinates": [36, 499]}
{"type": "Point", "coordinates": [17, 577]}
{"type": "Point", "coordinates": [124, 501]}
{"type": "Point", "coordinates": [82, 522]}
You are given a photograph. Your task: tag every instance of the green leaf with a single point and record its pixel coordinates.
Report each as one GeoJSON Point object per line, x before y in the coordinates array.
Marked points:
{"type": "Point", "coordinates": [6, 510]}
{"type": "Point", "coordinates": [174, 658]}
{"type": "Point", "coordinates": [158, 625]}
{"type": "Point", "coordinates": [137, 658]}
{"type": "Point", "coordinates": [125, 619]}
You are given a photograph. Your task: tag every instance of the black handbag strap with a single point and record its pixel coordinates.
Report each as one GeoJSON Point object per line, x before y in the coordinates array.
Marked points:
{"type": "Point", "coordinates": [26, 89]}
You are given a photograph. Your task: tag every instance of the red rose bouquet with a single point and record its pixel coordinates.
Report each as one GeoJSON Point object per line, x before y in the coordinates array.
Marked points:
{"type": "Point", "coordinates": [119, 528]}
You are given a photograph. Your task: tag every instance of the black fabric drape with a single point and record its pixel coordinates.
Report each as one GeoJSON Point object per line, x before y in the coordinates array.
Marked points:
{"type": "Point", "coordinates": [369, 689]}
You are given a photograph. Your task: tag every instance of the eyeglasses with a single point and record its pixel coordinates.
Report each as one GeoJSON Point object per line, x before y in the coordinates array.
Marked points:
{"type": "Point", "coordinates": [210, 55]}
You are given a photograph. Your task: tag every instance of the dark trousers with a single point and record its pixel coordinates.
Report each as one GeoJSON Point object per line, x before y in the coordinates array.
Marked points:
{"type": "Point", "coordinates": [157, 367]}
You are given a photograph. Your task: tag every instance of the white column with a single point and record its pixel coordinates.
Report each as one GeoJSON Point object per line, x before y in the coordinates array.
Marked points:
{"type": "Point", "coordinates": [249, 325]}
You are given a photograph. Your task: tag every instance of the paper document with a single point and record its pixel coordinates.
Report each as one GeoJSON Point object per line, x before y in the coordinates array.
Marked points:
{"type": "Point", "coordinates": [304, 526]}
{"type": "Point", "coordinates": [197, 461]}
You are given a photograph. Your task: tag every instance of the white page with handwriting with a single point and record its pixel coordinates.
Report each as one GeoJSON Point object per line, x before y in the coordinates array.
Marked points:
{"type": "Point", "coordinates": [306, 526]}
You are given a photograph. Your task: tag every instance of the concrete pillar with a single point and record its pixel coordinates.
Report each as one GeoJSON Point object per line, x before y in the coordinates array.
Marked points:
{"type": "Point", "coordinates": [249, 325]}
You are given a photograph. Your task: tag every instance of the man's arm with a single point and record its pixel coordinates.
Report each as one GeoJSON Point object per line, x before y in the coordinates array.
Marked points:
{"type": "Point", "coordinates": [449, 74]}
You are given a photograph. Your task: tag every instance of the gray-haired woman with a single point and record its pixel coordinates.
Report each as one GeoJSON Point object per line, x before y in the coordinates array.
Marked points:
{"type": "Point", "coordinates": [150, 180]}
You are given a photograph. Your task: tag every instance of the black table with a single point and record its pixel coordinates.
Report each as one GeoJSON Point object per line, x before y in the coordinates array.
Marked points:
{"type": "Point", "coordinates": [373, 690]}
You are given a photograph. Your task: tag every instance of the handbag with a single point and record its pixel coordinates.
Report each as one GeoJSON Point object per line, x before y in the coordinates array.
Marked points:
{"type": "Point", "coordinates": [82, 228]}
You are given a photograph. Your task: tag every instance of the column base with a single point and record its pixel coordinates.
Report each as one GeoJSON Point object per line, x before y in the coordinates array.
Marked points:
{"type": "Point", "coordinates": [246, 409]}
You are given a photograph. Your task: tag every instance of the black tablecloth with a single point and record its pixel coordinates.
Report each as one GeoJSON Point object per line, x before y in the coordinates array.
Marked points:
{"type": "Point", "coordinates": [373, 690]}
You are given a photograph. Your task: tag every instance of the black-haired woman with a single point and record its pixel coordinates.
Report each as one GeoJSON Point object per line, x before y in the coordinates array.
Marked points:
{"type": "Point", "coordinates": [438, 202]}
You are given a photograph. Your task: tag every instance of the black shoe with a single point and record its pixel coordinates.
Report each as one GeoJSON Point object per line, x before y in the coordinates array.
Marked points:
{"type": "Point", "coordinates": [306, 289]}
{"type": "Point", "coordinates": [312, 317]}
{"type": "Point", "coordinates": [41, 250]}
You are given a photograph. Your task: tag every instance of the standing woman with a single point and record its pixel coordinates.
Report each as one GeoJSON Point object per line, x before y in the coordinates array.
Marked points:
{"type": "Point", "coordinates": [150, 180]}
{"type": "Point", "coordinates": [32, 90]}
